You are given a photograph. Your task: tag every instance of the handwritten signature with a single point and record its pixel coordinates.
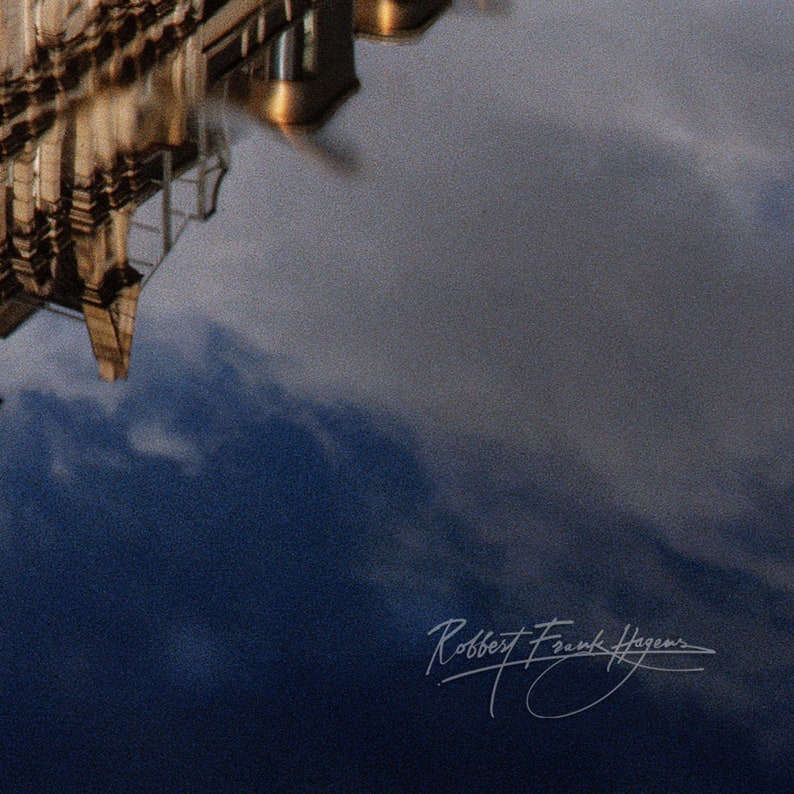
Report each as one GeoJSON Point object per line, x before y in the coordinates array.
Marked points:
{"type": "Point", "coordinates": [545, 647]}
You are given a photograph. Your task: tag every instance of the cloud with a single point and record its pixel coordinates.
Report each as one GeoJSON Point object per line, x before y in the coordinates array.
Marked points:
{"type": "Point", "coordinates": [567, 273]}
{"type": "Point", "coordinates": [585, 248]}
{"type": "Point", "coordinates": [154, 439]}
{"type": "Point", "coordinates": [567, 290]}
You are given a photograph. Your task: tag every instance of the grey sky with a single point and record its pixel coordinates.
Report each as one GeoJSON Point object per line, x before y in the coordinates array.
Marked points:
{"type": "Point", "coordinates": [566, 246]}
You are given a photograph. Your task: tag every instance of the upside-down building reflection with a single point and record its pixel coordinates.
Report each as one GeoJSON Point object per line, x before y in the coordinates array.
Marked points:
{"type": "Point", "coordinates": [395, 18]}
{"type": "Point", "coordinates": [103, 116]}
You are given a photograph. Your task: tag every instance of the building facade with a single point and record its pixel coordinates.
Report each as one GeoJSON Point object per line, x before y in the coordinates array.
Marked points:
{"type": "Point", "coordinates": [101, 110]}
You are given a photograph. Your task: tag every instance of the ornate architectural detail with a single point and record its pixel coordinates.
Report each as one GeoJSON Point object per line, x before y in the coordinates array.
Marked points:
{"type": "Point", "coordinates": [100, 111]}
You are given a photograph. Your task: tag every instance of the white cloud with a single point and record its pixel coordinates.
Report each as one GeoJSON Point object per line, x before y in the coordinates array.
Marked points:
{"type": "Point", "coordinates": [154, 439]}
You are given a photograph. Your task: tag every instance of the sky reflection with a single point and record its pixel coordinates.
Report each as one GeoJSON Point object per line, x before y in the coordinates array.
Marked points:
{"type": "Point", "coordinates": [525, 355]}
{"type": "Point", "coordinates": [277, 587]}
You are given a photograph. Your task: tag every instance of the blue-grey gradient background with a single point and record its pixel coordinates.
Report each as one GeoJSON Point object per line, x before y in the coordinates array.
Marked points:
{"type": "Point", "coordinates": [523, 350]}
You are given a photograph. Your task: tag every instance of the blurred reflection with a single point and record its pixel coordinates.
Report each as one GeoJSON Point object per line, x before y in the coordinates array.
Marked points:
{"type": "Point", "coordinates": [304, 71]}
{"type": "Point", "coordinates": [535, 363]}
{"type": "Point", "coordinates": [100, 113]}
{"type": "Point", "coordinates": [396, 17]}
{"type": "Point", "coordinates": [71, 193]}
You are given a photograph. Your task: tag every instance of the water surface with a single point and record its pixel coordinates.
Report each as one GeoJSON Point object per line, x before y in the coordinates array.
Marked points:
{"type": "Point", "coordinates": [505, 339]}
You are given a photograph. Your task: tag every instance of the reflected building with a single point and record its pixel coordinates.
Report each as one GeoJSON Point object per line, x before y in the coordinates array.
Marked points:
{"type": "Point", "coordinates": [306, 70]}
{"type": "Point", "coordinates": [107, 144]}
{"type": "Point", "coordinates": [71, 194]}
{"type": "Point", "coordinates": [395, 18]}
{"type": "Point", "coordinates": [309, 67]}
